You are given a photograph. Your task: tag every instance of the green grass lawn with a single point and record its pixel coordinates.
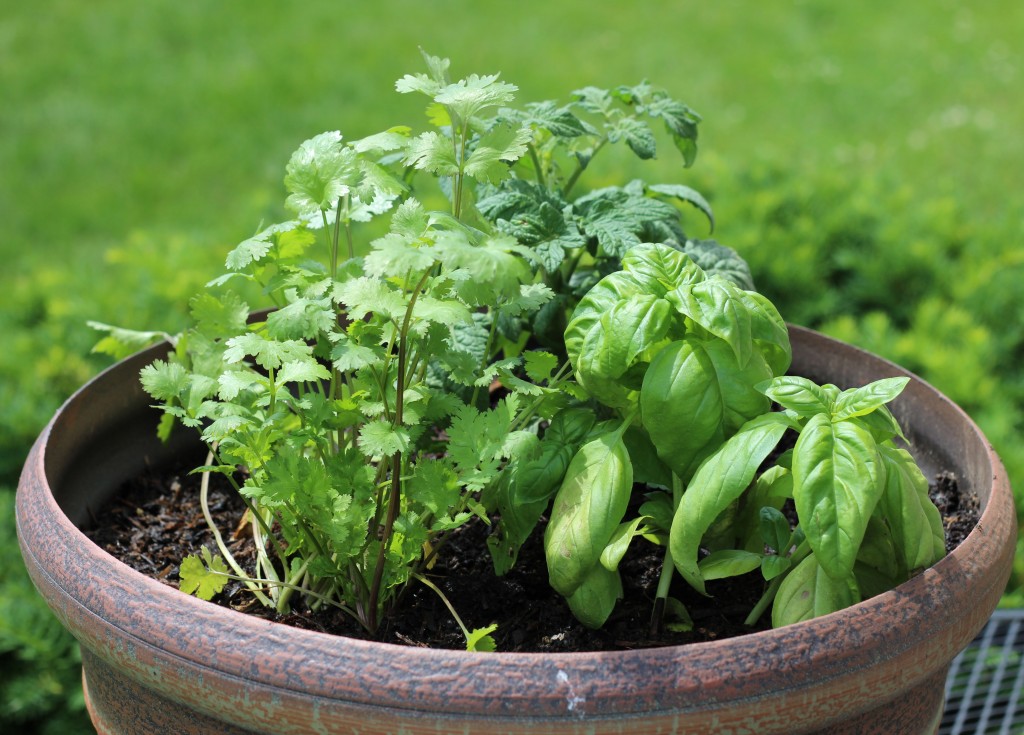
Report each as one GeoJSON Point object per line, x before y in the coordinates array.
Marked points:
{"type": "Point", "coordinates": [842, 143]}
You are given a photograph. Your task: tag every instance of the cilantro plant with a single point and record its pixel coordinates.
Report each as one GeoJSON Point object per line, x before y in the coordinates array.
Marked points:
{"type": "Point", "coordinates": [355, 416]}
{"type": "Point", "coordinates": [686, 364]}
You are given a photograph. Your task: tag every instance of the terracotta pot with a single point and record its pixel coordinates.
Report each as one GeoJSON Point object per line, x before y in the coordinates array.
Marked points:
{"type": "Point", "coordinates": [158, 661]}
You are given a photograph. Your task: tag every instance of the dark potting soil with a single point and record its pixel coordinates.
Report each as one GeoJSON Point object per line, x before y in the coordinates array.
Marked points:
{"type": "Point", "coordinates": [157, 520]}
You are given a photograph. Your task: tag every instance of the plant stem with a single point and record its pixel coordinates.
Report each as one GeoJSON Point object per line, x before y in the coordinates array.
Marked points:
{"type": "Point", "coordinates": [580, 168]}
{"type": "Point", "coordinates": [394, 502]}
{"type": "Point", "coordinates": [667, 567]}
{"type": "Point", "coordinates": [773, 589]}
{"type": "Point", "coordinates": [444, 599]}
{"type": "Point", "coordinates": [204, 490]}
{"type": "Point", "coordinates": [536, 164]}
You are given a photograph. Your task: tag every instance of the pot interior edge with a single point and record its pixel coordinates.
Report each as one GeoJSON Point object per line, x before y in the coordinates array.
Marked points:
{"type": "Point", "coordinates": [104, 435]}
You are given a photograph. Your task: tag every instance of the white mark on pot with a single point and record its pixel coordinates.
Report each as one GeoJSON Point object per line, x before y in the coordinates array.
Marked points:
{"type": "Point", "coordinates": [573, 701]}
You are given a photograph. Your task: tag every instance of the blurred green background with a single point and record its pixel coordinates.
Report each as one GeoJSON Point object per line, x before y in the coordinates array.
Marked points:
{"type": "Point", "coordinates": [865, 157]}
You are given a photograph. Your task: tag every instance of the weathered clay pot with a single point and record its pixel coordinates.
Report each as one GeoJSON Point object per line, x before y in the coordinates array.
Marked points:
{"type": "Point", "coordinates": [158, 661]}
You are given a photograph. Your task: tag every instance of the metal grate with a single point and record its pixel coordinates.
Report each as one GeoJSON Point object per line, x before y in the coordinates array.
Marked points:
{"type": "Point", "coordinates": [983, 689]}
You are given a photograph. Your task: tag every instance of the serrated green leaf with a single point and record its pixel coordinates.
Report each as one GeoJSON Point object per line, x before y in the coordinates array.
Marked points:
{"type": "Point", "coordinates": [481, 640]}
{"type": "Point", "coordinates": [257, 246]}
{"type": "Point", "coordinates": [378, 438]}
{"type": "Point", "coordinates": [469, 96]}
{"type": "Point", "coordinates": [539, 365]}
{"type": "Point", "coordinates": [204, 580]}
{"type": "Point", "coordinates": [392, 139]}
{"type": "Point", "coordinates": [163, 380]}
{"type": "Point", "coordinates": [302, 318]}
{"type": "Point", "coordinates": [685, 194]}
{"type": "Point", "coordinates": [350, 356]}
{"type": "Point", "coordinates": [319, 172]}
{"type": "Point", "coordinates": [363, 295]}
{"type": "Point", "coordinates": [559, 121]}
{"type": "Point", "coordinates": [302, 371]}
{"type": "Point", "coordinates": [120, 343]}
{"type": "Point", "coordinates": [268, 353]}
{"type": "Point", "coordinates": [432, 152]}
{"type": "Point", "coordinates": [219, 316]}
{"type": "Point", "coordinates": [801, 396]}
{"type": "Point", "coordinates": [636, 133]}
{"type": "Point", "coordinates": [233, 382]}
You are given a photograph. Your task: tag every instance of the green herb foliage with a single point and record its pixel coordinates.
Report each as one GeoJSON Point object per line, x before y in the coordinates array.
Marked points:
{"type": "Point", "coordinates": [691, 363]}
{"type": "Point", "coordinates": [357, 408]}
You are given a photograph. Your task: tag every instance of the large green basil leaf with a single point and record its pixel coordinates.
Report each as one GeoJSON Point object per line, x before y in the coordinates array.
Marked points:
{"type": "Point", "coordinates": [661, 269]}
{"type": "Point", "coordinates": [741, 400]}
{"type": "Point", "coordinates": [801, 396]}
{"type": "Point", "coordinates": [610, 290]}
{"type": "Point", "coordinates": [721, 479]}
{"type": "Point", "coordinates": [769, 331]}
{"type": "Point", "coordinates": [864, 400]}
{"type": "Point", "coordinates": [570, 426]}
{"type": "Point", "coordinates": [595, 597]}
{"type": "Point", "coordinates": [719, 307]}
{"type": "Point", "coordinates": [809, 592]}
{"type": "Point", "coordinates": [648, 469]}
{"type": "Point", "coordinates": [588, 508]}
{"type": "Point", "coordinates": [836, 487]}
{"type": "Point", "coordinates": [681, 405]}
{"type": "Point", "coordinates": [915, 522]}
{"type": "Point", "coordinates": [622, 334]}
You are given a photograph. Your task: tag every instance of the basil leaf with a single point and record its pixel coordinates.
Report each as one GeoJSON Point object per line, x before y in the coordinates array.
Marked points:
{"type": "Point", "coordinates": [728, 563]}
{"type": "Point", "coordinates": [681, 406]}
{"type": "Point", "coordinates": [864, 400]}
{"type": "Point", "coordinates": [594, 599]}
{"type": "Point", "coordinates": [588, 508]}
{"type": "Point", "coordinates": [809, 592]}
{"type": "Point", "coordinates": [721, 479]}
{"type": "Point", "coordinates": [799, 395]}
{"type": "Point", "coordinates": [915, 522]}
{"type": "Point", "coordinates": [836, 488]}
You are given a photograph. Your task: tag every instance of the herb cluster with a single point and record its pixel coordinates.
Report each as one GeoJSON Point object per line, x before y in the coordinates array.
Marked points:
{"type": "Point", "coordinates": [521, 351]}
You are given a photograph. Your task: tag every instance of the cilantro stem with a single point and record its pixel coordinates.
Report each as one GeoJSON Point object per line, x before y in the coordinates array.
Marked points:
{"type": "Point", "coordinates": [204, 491]}
{"type": "Point", "coordinates": [451, 608]}
{"type": "Point", "coordinates": [394, 501]}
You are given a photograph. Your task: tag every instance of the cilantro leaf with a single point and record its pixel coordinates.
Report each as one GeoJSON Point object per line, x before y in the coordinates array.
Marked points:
{"type": "Point", "coordinates": [319, 173]}
{"type": "Point", "coordinates": [480, 639]}
{"type": "Point", "coordinates": [204, 580]}
{"type": "Point", "coordinates": [378, 438]}
{"type": "Point", "coordinates": [467, 97]}
{"type": "Point", "coordinates": [432, 152]}
{"type": "Point", "coordinates": [257, 246]}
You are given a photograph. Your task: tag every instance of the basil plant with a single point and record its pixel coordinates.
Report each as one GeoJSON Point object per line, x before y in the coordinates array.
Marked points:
{"type": "Point", "coordinates": [688, 364]}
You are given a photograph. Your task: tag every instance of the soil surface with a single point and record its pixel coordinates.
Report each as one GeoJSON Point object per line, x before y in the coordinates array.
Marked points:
{"type": "Point", "coordinates": [157, 520]}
